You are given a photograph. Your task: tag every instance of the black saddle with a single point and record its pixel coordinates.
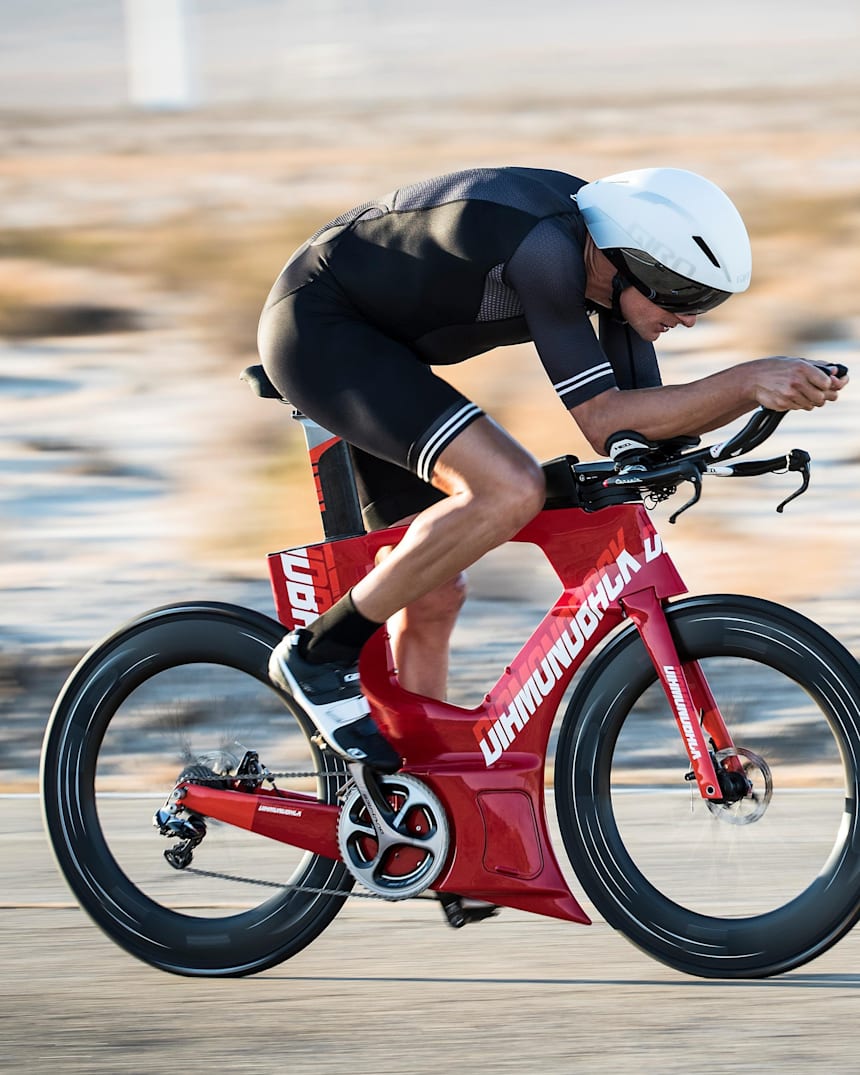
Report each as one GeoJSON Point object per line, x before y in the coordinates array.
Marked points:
{"type": "Point", "coordinates": [258, 381]}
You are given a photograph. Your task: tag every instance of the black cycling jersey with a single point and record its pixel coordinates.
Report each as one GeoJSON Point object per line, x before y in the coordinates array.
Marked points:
{"type": "Point", "coordinates": [434, 274]}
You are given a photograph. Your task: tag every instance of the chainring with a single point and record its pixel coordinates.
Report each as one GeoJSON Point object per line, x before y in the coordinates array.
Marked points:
{"type": "Point", "coordinates": [405, 856]}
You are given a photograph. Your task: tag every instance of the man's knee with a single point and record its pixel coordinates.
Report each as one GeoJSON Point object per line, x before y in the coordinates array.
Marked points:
{"type": "Point", "coordinates": [533, 486]}
{"type": "Point", "coordinates": [521, 490]}
{"type": "Point", "coordinates": [509, 486]}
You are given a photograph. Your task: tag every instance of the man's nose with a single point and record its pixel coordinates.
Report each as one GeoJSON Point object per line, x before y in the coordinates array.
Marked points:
{"type": "Point", "coordinates": [688, 320]}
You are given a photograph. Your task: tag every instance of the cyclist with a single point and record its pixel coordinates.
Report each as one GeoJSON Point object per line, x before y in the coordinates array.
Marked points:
{"type": "Point", "coordinates": [436, 273]}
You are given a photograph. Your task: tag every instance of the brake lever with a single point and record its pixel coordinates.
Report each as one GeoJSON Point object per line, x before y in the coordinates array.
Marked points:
{"type": "Point", "coordinates": [695, 479]}
{"type": "Point", "coordinates": [799, 461]}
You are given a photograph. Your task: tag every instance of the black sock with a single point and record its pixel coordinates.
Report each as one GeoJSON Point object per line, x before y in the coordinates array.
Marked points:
{"type": "Point", "coordinates": [338, 634]}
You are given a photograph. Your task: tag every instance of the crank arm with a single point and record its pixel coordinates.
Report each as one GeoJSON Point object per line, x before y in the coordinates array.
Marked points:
{"type": "Point", "coordinates": [385, 821]}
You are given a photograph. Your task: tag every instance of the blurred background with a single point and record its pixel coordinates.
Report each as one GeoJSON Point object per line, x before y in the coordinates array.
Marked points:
{"type": "Point", "coordinates": [159, 161]}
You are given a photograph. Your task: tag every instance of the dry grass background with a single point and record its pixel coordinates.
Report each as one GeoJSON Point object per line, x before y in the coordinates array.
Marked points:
{"type": "Point", "coordinates": [129, 221]}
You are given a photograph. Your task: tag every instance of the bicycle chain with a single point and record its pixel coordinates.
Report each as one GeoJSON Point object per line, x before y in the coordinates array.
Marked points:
{"type": "Point", "coordinates": [264, 776]}
{"type": "Point", "coordinates": [295, 888]}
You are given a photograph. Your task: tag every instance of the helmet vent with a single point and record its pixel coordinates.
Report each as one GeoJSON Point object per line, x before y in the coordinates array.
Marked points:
{"type": "Point", "coordinates": [706, 250]}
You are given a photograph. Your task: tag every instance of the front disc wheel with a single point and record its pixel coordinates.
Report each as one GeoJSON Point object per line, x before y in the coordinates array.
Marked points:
{"type": "Point", "coordinates": [776, 886]}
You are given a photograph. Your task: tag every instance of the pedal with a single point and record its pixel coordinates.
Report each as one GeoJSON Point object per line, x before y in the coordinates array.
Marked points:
{"type": "Point", "coordinates": [460, 912]}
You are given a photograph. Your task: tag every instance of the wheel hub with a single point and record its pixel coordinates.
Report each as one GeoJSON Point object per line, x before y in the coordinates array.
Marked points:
{"type": "Point", "coordinates": [749, 789]}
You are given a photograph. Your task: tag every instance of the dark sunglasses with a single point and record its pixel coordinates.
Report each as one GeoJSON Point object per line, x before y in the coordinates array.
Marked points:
{"type": "Point", "coordinates": [662, 286]}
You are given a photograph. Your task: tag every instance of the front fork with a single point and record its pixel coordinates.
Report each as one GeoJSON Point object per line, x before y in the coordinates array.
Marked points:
{"type": "Point", "coordinates": [697, 715]}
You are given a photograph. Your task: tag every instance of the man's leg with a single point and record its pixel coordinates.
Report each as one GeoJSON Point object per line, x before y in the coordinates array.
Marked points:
{"type": "Point", "coordinates": [494, 487]}
{"type": "Point", "coordinates": [420, 634]}
{"type": "Point", "coordinates": [420, 637]}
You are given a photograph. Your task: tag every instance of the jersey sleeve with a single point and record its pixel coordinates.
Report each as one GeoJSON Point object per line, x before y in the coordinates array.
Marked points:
{"type": "Point", "coordinates": [548, 273]}
{"type": "Point", "coordinates": [634, 360]}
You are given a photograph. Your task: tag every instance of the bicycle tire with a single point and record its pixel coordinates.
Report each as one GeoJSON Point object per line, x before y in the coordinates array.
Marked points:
{"type": "Point", "coordinates": [708, 898]}
{"type": "Point", "coordinates": [132, 716]}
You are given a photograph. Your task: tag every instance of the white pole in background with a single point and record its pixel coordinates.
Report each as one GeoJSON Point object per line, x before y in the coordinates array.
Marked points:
{"type": "Point", "coordinates": [159, 73]}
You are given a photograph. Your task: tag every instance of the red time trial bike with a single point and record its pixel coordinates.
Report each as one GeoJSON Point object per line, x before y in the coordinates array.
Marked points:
{"type": "Point", "coordinates": [705, 771]}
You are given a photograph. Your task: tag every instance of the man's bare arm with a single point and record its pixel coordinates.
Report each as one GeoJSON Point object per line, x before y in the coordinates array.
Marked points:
{"type": "Point", "coordinates": [781, 384]}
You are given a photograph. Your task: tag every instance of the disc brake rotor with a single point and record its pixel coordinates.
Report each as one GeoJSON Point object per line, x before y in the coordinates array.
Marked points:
{"type": "Point", "coordinates": [751, 807]}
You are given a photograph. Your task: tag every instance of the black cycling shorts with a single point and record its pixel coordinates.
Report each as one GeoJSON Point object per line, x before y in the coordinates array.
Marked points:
{"type": "Point", "coordinates": [362, 385]}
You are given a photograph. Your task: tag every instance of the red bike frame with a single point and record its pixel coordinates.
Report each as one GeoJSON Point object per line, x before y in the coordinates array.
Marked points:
{"type": "Point", "coordinates": [487, 764]}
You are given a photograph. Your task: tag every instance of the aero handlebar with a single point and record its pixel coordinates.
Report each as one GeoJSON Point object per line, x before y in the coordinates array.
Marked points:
{"type": "Point", "coordinates": [657, 468]}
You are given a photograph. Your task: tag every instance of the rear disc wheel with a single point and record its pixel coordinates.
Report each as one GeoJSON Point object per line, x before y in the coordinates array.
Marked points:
{"type": "Point", "coordinates": [185, 690]}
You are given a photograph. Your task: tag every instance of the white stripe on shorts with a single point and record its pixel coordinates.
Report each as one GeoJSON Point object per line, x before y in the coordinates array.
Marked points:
{"type": "Point", "coordinates": [442, 438]}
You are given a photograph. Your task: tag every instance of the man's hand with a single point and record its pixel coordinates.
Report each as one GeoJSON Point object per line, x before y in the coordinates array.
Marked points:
{"type": "Point", "coordinates": [793, 384]}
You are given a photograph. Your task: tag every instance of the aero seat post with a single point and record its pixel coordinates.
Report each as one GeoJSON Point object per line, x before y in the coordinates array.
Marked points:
{"type": "Point", "coordinates": [334, 477]}
{"type": "Point", "coordinates": [331, 460]}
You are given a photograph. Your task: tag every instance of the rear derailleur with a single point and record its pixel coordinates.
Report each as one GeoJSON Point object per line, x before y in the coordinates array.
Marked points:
{"type": "Point", "coordinates": [176, 823]}
{"type": "Point", "coordinates": [189, 830]}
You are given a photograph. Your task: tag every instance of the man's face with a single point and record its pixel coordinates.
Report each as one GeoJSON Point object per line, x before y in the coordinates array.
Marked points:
{"type": "Point", "coordinates": [647, 319]}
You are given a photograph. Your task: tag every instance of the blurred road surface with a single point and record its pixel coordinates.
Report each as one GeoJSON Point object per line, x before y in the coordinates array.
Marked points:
{"type": "Point", "coordinates": [390, 988]}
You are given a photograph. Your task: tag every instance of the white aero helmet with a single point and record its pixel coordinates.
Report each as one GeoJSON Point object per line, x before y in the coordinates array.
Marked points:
{"type": "Point", "coordinates": [672, 234]}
